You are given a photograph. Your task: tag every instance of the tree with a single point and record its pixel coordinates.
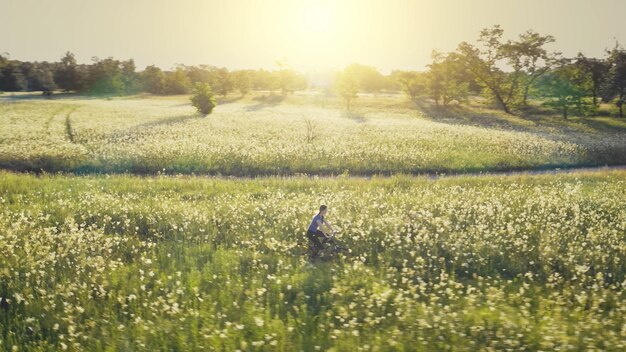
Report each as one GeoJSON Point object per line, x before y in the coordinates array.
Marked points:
{"type": "Point", "coordinates": [105, 77]}
{"type": "Point", "coordinates": [445, 80]}
{"type": "Point", "coordinates": [46, 81]}
{"type": "Point", "coordinates": [202, 73]}
{"type": "Point", "coordinates": [529, 59]}
{"type": "Point", "coordinates": [176, 82]}
{"type": "Point", "coordinates": [222, 81]}
{"type": "Point", "coordinates": [153, 80]}
{"type": "Point", "coordinates": [348, 87]}
{"type": "Point", "coordinates": [483, 64]}
{"type": "Point", "coordinates": [287, 79]}
{"type": "Point", "coordinates": [367, 77]}
{"type": "Point", "coordinates": [39, 77]}
{"type": "Point", "coordinates": [563, 89]}
{"type": "Point", "coordinates": [526, 58]}
{"type": "Point", "coordinates": [202, 98]}
{"type": "Point", "coordinates": [129, 76]}
{"type": "Point", "coordinates": [412, 83]}
{"type": "Point", "coordinates": [242, 81]}
{"type": "Point", "coordinates": [614, 88]}
{"type": "Point", "coordinates": [264, 80]}
{"type": "Point", "coordinates": [67, 76]}
{"type": "Point", "coordinates": [11, 76]}
{"type": "Point", "coordinates": [597, 70]}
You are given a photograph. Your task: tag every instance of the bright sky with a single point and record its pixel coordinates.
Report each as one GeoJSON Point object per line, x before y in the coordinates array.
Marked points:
{"type": "Point", "coordinates": [311, 35]}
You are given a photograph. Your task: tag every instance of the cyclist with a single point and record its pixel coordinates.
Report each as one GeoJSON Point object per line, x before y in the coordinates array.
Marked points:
{"type": "Point", "coordinates": [316, 230]}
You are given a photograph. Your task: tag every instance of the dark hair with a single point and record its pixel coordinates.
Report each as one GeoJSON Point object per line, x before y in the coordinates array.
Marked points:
{"type": "Point", "coordinates": [322, 208]}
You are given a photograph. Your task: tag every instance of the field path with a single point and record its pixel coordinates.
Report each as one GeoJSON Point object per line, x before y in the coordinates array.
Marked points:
{"type": "Point", "coordinates": [68, 126]}
{"type": "Point", "coordinates": [532, 172]}
{"type": "Point", "coordinates": [436, 176]}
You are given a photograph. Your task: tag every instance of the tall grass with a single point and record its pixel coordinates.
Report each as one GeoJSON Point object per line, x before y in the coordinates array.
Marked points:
{"type": "Point", "coordinates": [150, 135]}
{"type": "Point", "coordinates": [181, 263]}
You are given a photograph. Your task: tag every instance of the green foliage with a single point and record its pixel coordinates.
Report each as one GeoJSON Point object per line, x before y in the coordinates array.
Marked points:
{"type": "Point", "coordinates": [68, 76]}
{"type": "Point", "coordinates": [566, 89]}
{"type": "Point", "coordinates": [596, 71]}
{"type": "Point", "coordinates": [348, 87]}
{"type": "Point", "coordinates": [242, 81]}
{"type": "Point", "coordinates": [39, 77]}
{"type": "Point", "coordinates": [130, 78]}
{"type": "Point", "coordinates": [367, 78]}
{"type": "Point", "coordinates": [288, 80]}
{"type": "Point", "coordinates": [176, 82]}
{"type": "Point", "coordinates": [265, 80]}
{"type": "Point", "coordinates": [202, 98]}
{"type": "Point", "coordinates": [446, 79]}
{"type": "Point", "coordinates": [527, 58]}
{"type": "Point", "coordinates": [222, 81]}
{"type": "Point", "coordinates": [614, 88]}
{"type": "Point", "coordinates": [109, 76]}
{"type": "Point", "coordinates": [413, 84]}
{"type": "Point", "coordinates": [153, 80]}
{"type": "Point", "coordinates": [11, 77]}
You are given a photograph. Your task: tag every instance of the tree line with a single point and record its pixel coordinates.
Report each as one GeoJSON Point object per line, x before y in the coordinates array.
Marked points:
{"type": "Point", "coordinates": [509, 73]}
{"type": "Point", "coordinates": [120, 77]}
{"type": "Point", "coordinates": [514, 75]}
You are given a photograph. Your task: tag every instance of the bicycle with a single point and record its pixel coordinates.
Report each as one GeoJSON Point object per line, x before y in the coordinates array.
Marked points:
{"type": "Point", "coordinates": [330, 248]}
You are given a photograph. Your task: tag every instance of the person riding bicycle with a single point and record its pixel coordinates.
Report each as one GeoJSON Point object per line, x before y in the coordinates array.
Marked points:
{"type": "Point", "coordinates": [315, 230]}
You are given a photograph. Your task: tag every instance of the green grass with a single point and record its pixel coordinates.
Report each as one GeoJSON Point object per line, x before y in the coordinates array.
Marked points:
{"type": "Point", "coordinates": [269, 136]}
{"type": "Point", "coordinates": [118, 262]}
{"type": "Point", "coordinates": [110, 262]}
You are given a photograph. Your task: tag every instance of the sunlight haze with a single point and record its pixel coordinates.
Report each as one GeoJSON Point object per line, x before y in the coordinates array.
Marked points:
{"type": "Point", "coordinates": [310, 35]}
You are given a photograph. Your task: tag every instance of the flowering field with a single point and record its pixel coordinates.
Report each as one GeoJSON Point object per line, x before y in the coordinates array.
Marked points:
{"type": "Point", "coordinates": [247, 137]}
{"type": "Point", "coordinates": [181, 263]}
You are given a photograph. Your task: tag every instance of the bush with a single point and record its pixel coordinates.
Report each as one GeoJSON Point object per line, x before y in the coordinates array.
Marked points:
{"type": "Point", "coordinates": [203, 99]}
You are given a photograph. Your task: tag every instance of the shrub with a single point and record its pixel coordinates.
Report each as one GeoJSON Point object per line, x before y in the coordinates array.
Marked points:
{"type": "Point", "coordinates": [202, 98]}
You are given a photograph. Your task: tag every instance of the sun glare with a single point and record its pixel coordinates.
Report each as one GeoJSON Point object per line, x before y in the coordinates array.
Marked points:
{"type": "Point", "coordinates": [316, 18]}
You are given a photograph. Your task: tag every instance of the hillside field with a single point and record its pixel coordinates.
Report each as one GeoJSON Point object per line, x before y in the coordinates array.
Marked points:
{"type": "Point", "coordinates": [308, 133]}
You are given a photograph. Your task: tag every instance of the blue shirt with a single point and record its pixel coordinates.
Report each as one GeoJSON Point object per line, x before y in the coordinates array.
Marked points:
{"type": "Point", "coordinates": [313, 226]}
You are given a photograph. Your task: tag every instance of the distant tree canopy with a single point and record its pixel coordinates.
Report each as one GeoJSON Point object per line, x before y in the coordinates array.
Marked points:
{"type": "Point", "coordinates": [106, 76]}
{"type": "Point", "coordinates": [526, 58]}
{"type": "Point", "coordinates": [242, 81]}
{"type": "Point", "coordinates": [446, 80]}
{"type": "Point", "coordinates": [11, 75]}
{"type": "Point", "coordinates": [68, 75]}
{"type": "Point", "coordinates": [596, 70]}
{"type": "Point", "coordinates": [513, 74]}
{"type": "Point", "coordinates": [38, 76]}
{"type": "Point", "coordinates": [347, 86]}
{"type": "Point", "coordinates": [153, 80]}
{"type": "Point", "coordinates": [367, 78]}
{"type": "Point", "coordinates": [110, 76]}
{"type": "Point", "coordinates": [614, 85]}
{"type": "Point", "coordinates": [566, 88]}
{"type": "Point", "coordinates": [357, 78]}
{"type": "Point", "coordinates": [176, 82]}
{"type": "Point", "coordinates": [413, 84]}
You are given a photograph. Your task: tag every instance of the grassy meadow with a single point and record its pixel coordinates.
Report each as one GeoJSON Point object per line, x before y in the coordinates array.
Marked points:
{"type": "Point", "coordinates": [136, 245]}
{"type": "Point", "coordinates": [120, 262]}
{"type": "Point", "coordinates": [308, 133]}
{"type": "Point", "coordinates": [164, 168]}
